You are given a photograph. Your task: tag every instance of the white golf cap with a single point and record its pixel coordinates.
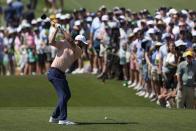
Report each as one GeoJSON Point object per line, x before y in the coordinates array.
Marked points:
{"type": "Point", "coordinates": [81, 38]}
{"type": "Point", "coordinates": [19, 29]}
{"type": "Point", "coordinates": [11, 30]}
{"type": "Point", "coordinates": [158, 17]}
{"type": "Point", "coordinates": [151, 31]}
{"type": "Point", "coordinates": [33, 22]}
{"type": "Point", "coordinates": [136, 30]}
{"type": "Point", "coordinates": [9, 1]}
{"type": "Point", "coordinates": [193, 33]}
{"type": "Point", "coordinates": [102, 7]}
{"type": "Point", "coordinates": [150, 22]}
{"type": "Point", "coordinates": [166, 35]}
{"type": "Point", "coordinates": [158, 44]}
{"type": "Point", "coordinates": [122, 17]}
{"type": "Point", "coordinates": [58, 16]}
{"type": "Point", "coordinates": [172, 11]}
{"type": "Point", "coordinates": [105, 18]}
{"type": "Point", "coordinates": [131, 34]}
{"type": "Point", "coordinates": [77, 23]}
{"type": "Point", "coordinates": [184, 12]}
{"type": "Point", "coordinates": [68, 16]}
{"type": "Point", "coordinates": [62, 17]}
{"type": "Point", "coordinates": [177, 44]}
{"type": "Point", "coordinates": [39, 20]}
{"type": "Point", "coordinates": [89, 19]}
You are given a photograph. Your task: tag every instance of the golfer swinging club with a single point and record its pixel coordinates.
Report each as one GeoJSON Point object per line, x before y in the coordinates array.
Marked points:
{"type": "Point", "coordinates": [68, 52]}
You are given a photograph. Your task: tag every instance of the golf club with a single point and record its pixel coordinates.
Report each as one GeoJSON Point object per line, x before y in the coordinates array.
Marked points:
{"type": "Point", "coordinates": [44, 16]}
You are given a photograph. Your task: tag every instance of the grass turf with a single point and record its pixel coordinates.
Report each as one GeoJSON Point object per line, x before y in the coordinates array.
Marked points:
{"type": "Point", "coordinates": [27, 102]}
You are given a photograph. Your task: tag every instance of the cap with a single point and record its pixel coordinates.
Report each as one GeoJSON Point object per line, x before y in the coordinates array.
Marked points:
{"type": "Point", "coordinates": [68, 16]}
{"type": "Point", "coordinates": [58, 16]}
{"type": "Point", "coordinates": [136, 30]}
{"type": "Point", "coordinates": [52, 17]}
{"type": "Point", "coordinates": [172, 11]}
{"type": "Point", "coordinates": [188, 53]}
{"type": "Point", "coordinates": [150, 22]}
{"type": "Point", "coordinates": [81, 38]}
{"type": "Point", "coordinates": [158, 44]}
{"type": "Point", "coordinates": [77, 23]}
{"type": "Point", "coordinates": [151, 31]}
{"type": "Point", "coordinates": [131, 34]}
{"type": "Point", "coordinates": [11, 30]}
{"type": "Point", "coordinates": [9, 1]}
{"type": "Point", "coordinates": [122, 17]}
{"type": "Point", "coordinates": [177, 44]}
{"type": "Point", "coordinates": [62, 17]}
{"type": "Point", "coordinates": [39, 20]}
{"type": "Point", "coordinates": [158, 16]}
{"type": "Point", "coordinates": [33, 22]}
{"type": "Point", "coordinates": [166, 35]}
{"type": "Point", "coordinates": [89, 19]}
{"type": "Point", "coordinates": [104, 18]}
{"type": "Point", "coordinates": [193, 33]}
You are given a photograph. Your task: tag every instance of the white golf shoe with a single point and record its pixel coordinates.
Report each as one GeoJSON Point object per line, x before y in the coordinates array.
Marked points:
{"type": "Point", "coordinates": [53, 120]}
{"type": "Point", "coordinates": [66, 122]}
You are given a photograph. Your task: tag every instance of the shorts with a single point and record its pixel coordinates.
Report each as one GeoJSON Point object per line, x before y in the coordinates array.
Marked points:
{"type": "Point", "coordinates": [102, 51]}
{"type": "Point", "coordinates": [145, 72]}
{"type": "Point", "coordinates": [96, 47]}
{"type": "Point", "coordinates": [154, 73]}
{"type": "Point", "coordinates": [122, 60]}
{"type": "Point", "coordinates": [41, 59]}
{"type": "Point", "coordinates": [132, 63]}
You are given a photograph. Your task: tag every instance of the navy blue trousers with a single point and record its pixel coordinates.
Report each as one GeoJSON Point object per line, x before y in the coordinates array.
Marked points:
{"type": "Point", "coordinates": [59, 82]}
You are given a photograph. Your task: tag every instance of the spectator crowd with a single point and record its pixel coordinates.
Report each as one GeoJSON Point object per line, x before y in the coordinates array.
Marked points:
{"type": "Point", "coordinates": [152, 53]}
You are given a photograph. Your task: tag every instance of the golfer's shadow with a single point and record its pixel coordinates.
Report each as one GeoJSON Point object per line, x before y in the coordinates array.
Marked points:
{"type": "Point", "coordinates": [107, 123]}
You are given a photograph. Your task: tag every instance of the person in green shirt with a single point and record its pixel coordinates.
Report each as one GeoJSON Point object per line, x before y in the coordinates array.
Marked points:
{"type": "Point", "coordinates": [186, 77]}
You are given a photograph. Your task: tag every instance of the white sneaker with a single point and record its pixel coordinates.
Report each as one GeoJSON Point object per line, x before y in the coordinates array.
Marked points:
{"type": "Point", "coordinates": [146, 95]}
{"type": "Point", "coordinates": [142, 93]}
{"type": "Point", "coordinates": [158, 102]}
{"type": "Point", "coordinates": [151, 95]}
{"type": "Point", "coordinates": [129, 82]}
{"type": "Point", "coordinates": [153, 99]}
{"type": "Point", "coordinates": [132, 85]}
{"type": "Point", "coordinates": [136, 87]}
{"type": "Point", "coordinates": [76, 71]}
{"type": "Point", "coordinates": [53, 120]}
{"type": "Point", "coordinates": [66, 122]}
{"type": "Point", "coordinates": [140, 88]}
{"type": "Point", "coordinates": [95, 71]}
{"type": "Point", "coordinates": [81, 71]}
{"type": "Point", "coordinates": [168, 105]}
{"type": "Point", "coordinates": [139, 93]}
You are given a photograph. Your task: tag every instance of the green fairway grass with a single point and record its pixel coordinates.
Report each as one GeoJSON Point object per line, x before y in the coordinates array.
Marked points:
{"type": "Point", "coordinates": [27, 102]}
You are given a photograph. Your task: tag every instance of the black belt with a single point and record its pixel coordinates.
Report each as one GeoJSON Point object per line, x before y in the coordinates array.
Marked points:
{"type": "Point", "coordinates": [58, 70]}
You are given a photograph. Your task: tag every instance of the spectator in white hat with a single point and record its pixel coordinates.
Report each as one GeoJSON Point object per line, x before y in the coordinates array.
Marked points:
{"type": "Point", "coordinates": [183, 39]}
{"type": "Point", "coordinates": [80, 40]}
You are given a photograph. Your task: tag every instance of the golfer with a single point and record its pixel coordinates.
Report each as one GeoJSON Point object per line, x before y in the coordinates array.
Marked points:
{"type": "Point", "coordinates": [67, 52]}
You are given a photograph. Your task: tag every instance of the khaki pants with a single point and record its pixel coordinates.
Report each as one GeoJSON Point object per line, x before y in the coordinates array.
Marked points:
{"type": "Point", "coordinates": [185, 97]}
